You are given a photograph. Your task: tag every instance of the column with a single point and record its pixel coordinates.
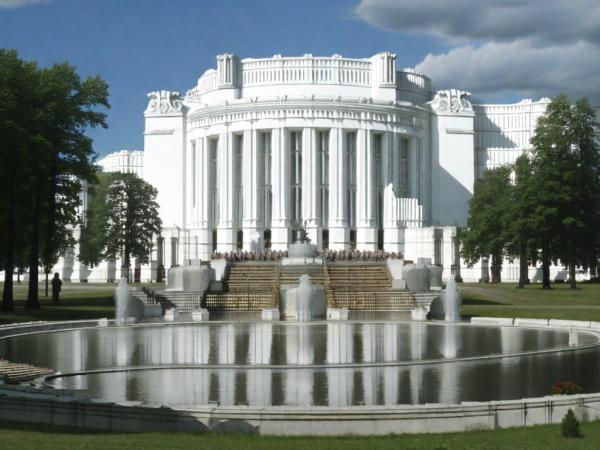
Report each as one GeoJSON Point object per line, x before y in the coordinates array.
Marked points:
{"type": "Point", "coordinates": [226, 236]}
{"type": "Point", "coordinates": [280, 182]}
{"type": "Point", "coordinates": [413, 167]}
{"type": "Point", "coordinates": [393, 232]}
{"type": "Point", "coordinates": [251, 220]}
{"type": "Point", "coordinates": [366, 232]}
{"type": "Point", "coordinates": [203, 199]}
{"type": "Point", "coordinates": [311, 198]}
{"type": "Point", "coordinates": [339, 231]}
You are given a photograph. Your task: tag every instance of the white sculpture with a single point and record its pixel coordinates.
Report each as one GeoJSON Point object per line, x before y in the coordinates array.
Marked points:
{"type": "Point", "coordinates": [451, 100]}
{"type": "Point", "coordinates": [164, 102]}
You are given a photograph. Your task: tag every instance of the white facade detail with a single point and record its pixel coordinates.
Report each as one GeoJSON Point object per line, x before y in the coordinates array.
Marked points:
{"type": "Point", "coordinates": [359, 152]}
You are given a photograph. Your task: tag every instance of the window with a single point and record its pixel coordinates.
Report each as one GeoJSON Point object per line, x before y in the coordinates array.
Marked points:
{"type": "Point", "coordinates": [193, 173]}
{"type": "Point", "coordinates": [404, 167]}
{"type": "Point", "coordinates": [266, 195]}
{"type": "Point", "coordinates": [296, 177]}
{"type": "Point", "coordinates": [351, 177]}
{"type": "Point", "coordinates": [323, 149]}
{"type": "Point", "coordinates": [213, 189]}
{"type": "Point", "coordinates": [237, 174]}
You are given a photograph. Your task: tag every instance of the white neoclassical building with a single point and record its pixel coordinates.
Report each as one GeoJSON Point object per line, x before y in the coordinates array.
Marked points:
{"type": "Point", "coordinates": [360, 152]}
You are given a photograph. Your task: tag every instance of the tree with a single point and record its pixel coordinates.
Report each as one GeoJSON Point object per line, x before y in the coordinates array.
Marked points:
{"type": "Point", "coordinates": [44, 156]}
{"type": "Point", "coordinates": [565, 184]}
{"type": "Point", "coordinates": [486, 232]}
{"type": "Point", "coordinates": [63, 157]}
{"type": "Point", "coordinates": [522, 236]}
{"type": "Point", "coordinates": [92, 239]}
{"type": "Point", "coordinates": [17, 104]}
{"type": "Point", "coordinates": [132, 219]}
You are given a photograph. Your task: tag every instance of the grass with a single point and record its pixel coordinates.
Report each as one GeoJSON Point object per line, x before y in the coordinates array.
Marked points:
{"type": "Point", "coordinates": [77, 302]}
{"type": "Point", "coordinates": [505, 300]}
{"type": "Point", "coordinates": [15, 435]}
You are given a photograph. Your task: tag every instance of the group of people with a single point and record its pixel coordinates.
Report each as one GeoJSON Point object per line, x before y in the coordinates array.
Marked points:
{"type": "Point", "coordinates": [258, 255]}
{"type": "Point", "coordinates": [328, 255]}
{"type": "Point", "coordinates": [357, 255]}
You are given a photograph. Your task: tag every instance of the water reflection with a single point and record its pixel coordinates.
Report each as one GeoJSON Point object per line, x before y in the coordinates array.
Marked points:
{"type": "Point", "coordinates": [312, 350]}
{"type": "Point", "coordinates": [266, 343]}
{"type": "Point", "coordinates": [512, 378]}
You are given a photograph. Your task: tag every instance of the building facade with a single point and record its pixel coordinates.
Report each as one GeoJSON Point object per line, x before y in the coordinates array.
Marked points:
{"type": "Point", "coordinates": [360, 153]}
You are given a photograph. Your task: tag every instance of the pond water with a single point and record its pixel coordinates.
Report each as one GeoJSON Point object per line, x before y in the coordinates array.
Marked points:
{"type": "Point", "coordinates": [310, 364]}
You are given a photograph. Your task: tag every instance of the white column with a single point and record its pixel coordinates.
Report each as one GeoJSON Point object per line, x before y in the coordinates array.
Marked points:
{"type": "Point", "coordinates": [366, 233]}
{"type": "Point", "coordinates": [203, 199]}
{"type": "Point", "coordinates": [280, 187]}
{"type": "Point", "coordinates": [339, 231]}
{"type": "Point", "coordinates": [226, 236]}
{"type": "Point", "coordinates": [413, 167]}
{"type": "Point", "coordinates": [393, 234]}
{"type": "Point", "coordinates": [251, 220]}
{"type": "Point", "coordinates": [311, 198]}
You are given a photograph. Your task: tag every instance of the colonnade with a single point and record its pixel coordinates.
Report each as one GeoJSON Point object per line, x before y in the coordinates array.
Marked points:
{"type": "Point", "coordinates": [347, 187]}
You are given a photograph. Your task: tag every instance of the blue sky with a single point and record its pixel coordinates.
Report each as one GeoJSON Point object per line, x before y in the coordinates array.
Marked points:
{"type": "Point", "coordinates": [144, 45]}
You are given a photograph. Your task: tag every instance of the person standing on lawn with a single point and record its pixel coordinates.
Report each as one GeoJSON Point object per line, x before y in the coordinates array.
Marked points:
{"type": "Point", "coordinates": [56, 287]}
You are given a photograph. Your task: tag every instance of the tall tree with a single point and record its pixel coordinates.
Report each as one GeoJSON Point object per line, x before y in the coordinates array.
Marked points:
{"type": "Point", "coordinates": [565, 184]}
{"type": "Point", "coordinates": [18, 100]}
{"type": "Point", "coordinates": [93, 237]}
{"type": "Point", "coordinates": [132, 219]}
{"type": "Point", "coordinates": [64, 158]}
{"type": "Point", "coordinates": [486, 232]}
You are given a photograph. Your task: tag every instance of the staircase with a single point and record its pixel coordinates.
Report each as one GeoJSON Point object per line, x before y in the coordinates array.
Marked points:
{"type": "Point", "coordinates": [290, 274]}
{"type": "Point", "coordinates": [17, 373]}
{"type": "Point", "coordinates": [365, 287]}
{"type": "Point", "coordinates": [246, 287]}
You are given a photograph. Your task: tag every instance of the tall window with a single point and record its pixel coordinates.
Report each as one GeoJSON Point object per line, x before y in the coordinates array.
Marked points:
{"type": "Point", "coordinates": [323, 148]}
{"type": "Point", "coordinates": [378, 182]}
{"type": "Point", "coordinates": [265, 157]}
{"type": "Point", "coordinates": [404, 167]}
{"type": "Point", "coordinates": [194, 173]}
{"type": "Point", "coordinates": [351, 177]}
{"type": "Point", "coordinates": [213, 189]}
{"type": "Point", "coordinates": [237, 173]}
{"type": "Point", "coordinates": [296, 179]}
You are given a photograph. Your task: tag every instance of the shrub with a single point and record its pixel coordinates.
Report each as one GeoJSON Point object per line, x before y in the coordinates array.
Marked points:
{"type": "Point", "coordinates": [566, 388]}
{"type": "Point", "coordinates": [570, 425]}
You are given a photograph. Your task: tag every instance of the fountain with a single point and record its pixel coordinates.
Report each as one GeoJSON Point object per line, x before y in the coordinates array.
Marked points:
{"type": "Point", "coordinates": [303, 299]}
{"type": "Point", "coordinates": [121, 301]}
{"type": "Point", "coordinates": [452, 302]}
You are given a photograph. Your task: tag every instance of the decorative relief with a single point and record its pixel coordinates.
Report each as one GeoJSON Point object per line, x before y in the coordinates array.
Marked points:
{"type": "Point", "coordinates": [164, 102]}
{"type": "Point", "coordinates": [451, 100]}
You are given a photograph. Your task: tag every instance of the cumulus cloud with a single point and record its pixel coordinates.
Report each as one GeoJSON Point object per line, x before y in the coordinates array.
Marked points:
{"type": "Point", "coordinates": [554, 21]}
{"type": "Point", "coordinates": [18, 3]}
{"type": "Point", "coordinates": [518, 67]}
{"type": "Point", "coordinates": [534, 48]}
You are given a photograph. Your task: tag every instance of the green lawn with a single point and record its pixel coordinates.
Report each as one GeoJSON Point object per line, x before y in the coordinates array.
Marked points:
{"type": "Point", "coordinates": [505, 300]}
{"type": "Point", "coordinates": [26, 436]}
{"type": "Point", "coordinates": [78, 302]}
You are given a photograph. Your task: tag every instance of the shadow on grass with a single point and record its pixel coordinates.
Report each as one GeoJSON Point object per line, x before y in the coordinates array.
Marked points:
{"type": "Point", "coordinates": [478, 301]}
{"type": "Point", "coordinates": [46, 428]}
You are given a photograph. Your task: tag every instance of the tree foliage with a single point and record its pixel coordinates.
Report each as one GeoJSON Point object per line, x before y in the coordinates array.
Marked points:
{"type": "Point", "coordinates": [123, 220]}
{"type": "Point", "coordinates": [551, 210]}
{"type": "Point", "coordinates": [45, 156]}
{"type": "Point", "coordinates": [487, 228]}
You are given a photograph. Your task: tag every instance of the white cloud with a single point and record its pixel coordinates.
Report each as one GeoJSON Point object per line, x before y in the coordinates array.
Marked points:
{"type": "Point", "coordinates": [533, 48]}
{"type": "Point", "coordinates": [18, 3]}
{"type": "Point", "coordinates": [517, 66]}
{"type": "Point", "coordinates": [555, 21]}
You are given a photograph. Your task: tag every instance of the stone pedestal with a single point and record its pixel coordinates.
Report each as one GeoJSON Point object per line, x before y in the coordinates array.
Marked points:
{"type": "Point", "coordinates": [337, 313]}
{"type": "Point", "coordinates": [200, 315]}
{"type": "Point", "coordinates": [270, 314]}
{"type": "Point", "coordinates": [171, 315]}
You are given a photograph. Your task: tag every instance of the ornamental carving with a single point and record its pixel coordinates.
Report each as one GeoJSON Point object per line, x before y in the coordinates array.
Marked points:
{"type": "Point", "coordinates": [451, 100]}
{"type": "Point", "coordinates": [164, 102]}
